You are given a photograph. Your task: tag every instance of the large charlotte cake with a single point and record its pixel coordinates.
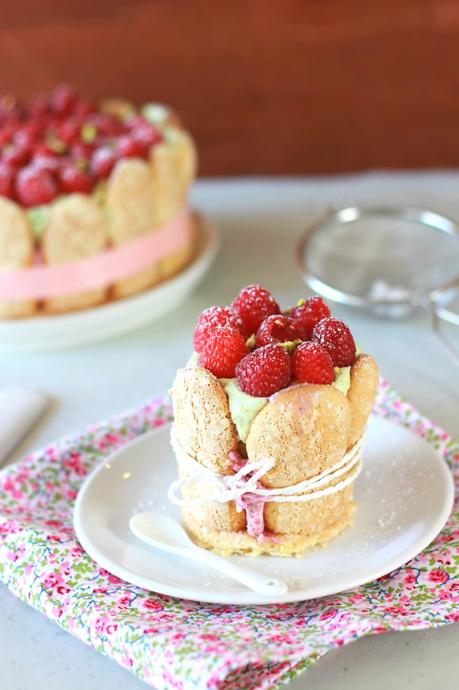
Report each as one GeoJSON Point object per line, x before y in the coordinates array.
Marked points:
{"type": "Point", "coordinates": [269, 418]}
{"type": "Point", "coordinates": [78, 179]}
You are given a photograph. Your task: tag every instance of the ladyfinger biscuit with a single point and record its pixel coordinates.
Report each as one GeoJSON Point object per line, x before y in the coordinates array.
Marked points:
{"type": "Point", "coordinates": [361, 394]}
{"type": "Point", "coordinates": [204, 429]}
{"type": "Point", "coordinates": [118, 107]}
{"type": "Point", "coordinates": [286, 544]}
{"type": "Point", "coordinates": [202, 421]}
{"type": "Point", "coordinates": [130, 205]}
{"type": "Point", "coordinates": [311, 518]}
{"type": "Point", "coordinates": [173, 164]}
{"type": "Point", "coordinates": [16, 251]}
{"type": "Point", "coordinates": [305, 429]}
{"type": "Point", "coordinates": [222, 516]}
{"type": "Point", "coordinates": [76, 229]}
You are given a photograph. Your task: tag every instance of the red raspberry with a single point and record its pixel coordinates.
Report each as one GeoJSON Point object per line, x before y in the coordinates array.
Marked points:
{"type": "Point", "coordinates": [210, 321]}
{"type": "Point", "coordinates": [129, 147]}
{"type": "Point", "coordinates": [105, 124]}
{"type": "Point", "coordinates": [42, 148]}
{"type": "Point", "coordinates": [311, 363]}
{"type": "Point", "coordinates": [81, 151]}
{"type": "Point", "coordinates": [6, 135]}
{"type": "Point", "coordinates": [222, 351]}
{"type": "Point", "coordinates": [69, 131]}
{"type": "Point", "coordinates": [83, 107]}
{"type": "Point", "coordinates": [7, 175]}
{"type": "Point", "coordinates": [16, 154]}
{"type": "Point", "coordinates": [277, 329]}
{"type": "Point", "coordinates": [102, 162]}
{"type": "Point", "coordinates": [308, 314]}
{"type": "Point", "coordinates": [264, 371]}
{"type": "Point", "coordinates": [28, 135]}
{"type": "Point", "coordinates": [146, 134]}
{"type": "Point", "coordinates": [336, 338]}
{"type": "Point", "coordinates": [35, 187]}
{"type": "Point", "coordinates": [75, 180]}
{"type": "Point", "coordinates": [135, 121]}
{"type": "Point", "coordinates": [49, 163]}
{"type": "Point", "coordinates": [63, 99]}
{"type": "Point", "coordinates": [253, 305]}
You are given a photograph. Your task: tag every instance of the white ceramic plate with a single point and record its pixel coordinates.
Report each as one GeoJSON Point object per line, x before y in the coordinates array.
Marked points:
{"type": "Point", "coordinates": [404, 493]}
{"type": "Point", "coordinates": [47, 333]}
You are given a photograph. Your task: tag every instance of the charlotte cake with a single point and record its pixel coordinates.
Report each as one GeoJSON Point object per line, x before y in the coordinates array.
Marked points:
{"type": "Point", "coordinates": [77, 178]}
{"type": "Point", "coordinates": [269, 418]}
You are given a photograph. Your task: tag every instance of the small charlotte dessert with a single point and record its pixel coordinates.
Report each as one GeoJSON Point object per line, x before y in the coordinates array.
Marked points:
{"type": "Point", "coordinates": [269, 418]}
{"type": "Point", "coordinates": [78, 179]}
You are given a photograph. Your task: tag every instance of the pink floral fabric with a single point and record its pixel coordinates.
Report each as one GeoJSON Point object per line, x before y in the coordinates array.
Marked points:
{"type": "Point", "coordinates": [173, 643]}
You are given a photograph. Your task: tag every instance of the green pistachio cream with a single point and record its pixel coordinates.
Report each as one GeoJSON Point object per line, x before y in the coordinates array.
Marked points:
{"type": "Point", "coordinates": [243, 407]}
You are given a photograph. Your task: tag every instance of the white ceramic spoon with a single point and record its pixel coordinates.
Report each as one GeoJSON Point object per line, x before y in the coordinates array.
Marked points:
{"type": "Point", "coordinates": [167, 534]}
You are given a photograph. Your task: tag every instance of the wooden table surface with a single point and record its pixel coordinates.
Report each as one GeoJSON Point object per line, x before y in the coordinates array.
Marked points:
{"type": "Point", "coordinates": [267, 87]}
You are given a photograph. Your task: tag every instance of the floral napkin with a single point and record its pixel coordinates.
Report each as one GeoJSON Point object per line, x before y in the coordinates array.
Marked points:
{"type": "Point", "coordinates": [173, 643]}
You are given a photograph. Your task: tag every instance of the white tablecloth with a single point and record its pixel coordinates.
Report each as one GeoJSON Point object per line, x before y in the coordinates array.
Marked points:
{"type": "Point", "coordinates": [260, 220]}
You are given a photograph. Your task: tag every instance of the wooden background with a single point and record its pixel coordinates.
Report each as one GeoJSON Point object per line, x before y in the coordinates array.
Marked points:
{"type": "Point", "coordinates": [267, 86]}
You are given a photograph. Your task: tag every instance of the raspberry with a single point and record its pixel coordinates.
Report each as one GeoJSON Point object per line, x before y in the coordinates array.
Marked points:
{"type": "Point", "coordinates": [135, 121]}
{"type": "Point", "coordinates": [222, 351]}
{"type": "Point", "coordinates": [16, 154]}
{"type": "Point", "coordinates": [28, 135]}
{"type": "Point", "coordinates": [311, 363]}
{"type": "Point", "coordinates": [6, 135]}
{"type": "Point", "coordinates": [253, 305]}
{"type": "Point", "coordinates": [49, 163]}
{"type": "Point", "coordinates": [129, 147]}
{"type": "Point", "coordinates": [210, 321]}
{"type": "Point", "coordinates": [336, 338]}
{"type": "Point", "coordinates": [74, 180]}
{"type": "Point", "coordinates": [102, 162]}
{"type": "Point", "coordinates": [7, 175]}
{"type": "Point", "coordinates": [105, 124]}
{"type": "Point", "coordinates": [277, 329]}
{"type": "Point", "coordinates": [42, 148]}
{"type": "Point", "coordinates": [35, 187]}
{"type": "Point", "coordinates": [83, 107]}
{"type": "Point", "coordinates": [146, 134]}
{"type": "Point", "coordinates": [81, 151]}
{"type": "Point", "coordinates": [308, 314]}
{"type": "Point", "coordinates": [63, 99]}
{"type": "Point", "coordinates": [264, 371]}
{"type": "Point", "coordinates": [69, 131]}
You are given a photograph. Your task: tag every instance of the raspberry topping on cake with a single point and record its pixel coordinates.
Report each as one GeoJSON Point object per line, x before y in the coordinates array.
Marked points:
{"type": "Point", "coordinates": [337, 339]}
{"type": "Point", "coordinates": [264, 371]}
{"type": "Point", "coordinates": [277, 329]}
{"type": "Point", "coordinates": [67, 138]}
{"type": "Point", "coordinates": [222, 351]}
{"type": "Point", "coordinates": [253, 305]}
{"type": "Point", "coordinates": [306, 315]}
{"type": "Point", "coordinates": [300, 344]}
{"type": "Point", "coordinates": [311, 363]}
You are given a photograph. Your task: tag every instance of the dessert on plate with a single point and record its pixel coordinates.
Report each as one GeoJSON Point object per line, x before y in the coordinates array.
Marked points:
{"type": "Point", "coordinates": [79, 180]}
{"type": "Point", "coordinates": [269, 419]}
